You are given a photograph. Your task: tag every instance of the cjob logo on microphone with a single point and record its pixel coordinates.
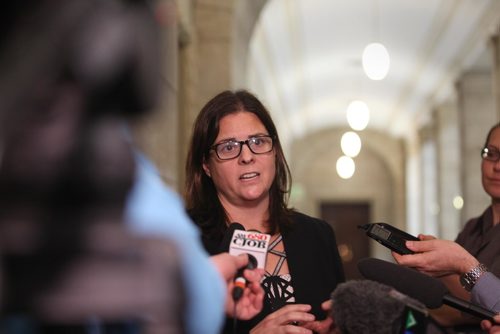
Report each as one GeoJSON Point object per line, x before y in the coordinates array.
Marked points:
{"type": "Point", "coordinates": [250, 242]}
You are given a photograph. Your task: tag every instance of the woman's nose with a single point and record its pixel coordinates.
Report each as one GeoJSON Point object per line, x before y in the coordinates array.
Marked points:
{"type": "Point", "coordinates": [246, 155]}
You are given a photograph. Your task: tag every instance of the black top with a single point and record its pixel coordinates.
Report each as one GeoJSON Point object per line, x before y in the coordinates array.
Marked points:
{"type": "Point", "coordinates": [313, 261]}
{"type": "Point", "coordinates": [480, 238]}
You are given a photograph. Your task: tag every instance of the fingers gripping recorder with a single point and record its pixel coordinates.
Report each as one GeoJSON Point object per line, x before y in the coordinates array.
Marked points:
{"type": "Point", "coordinates": [253, 243]}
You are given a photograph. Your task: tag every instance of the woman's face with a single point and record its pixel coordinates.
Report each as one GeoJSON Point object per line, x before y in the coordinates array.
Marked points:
{"type": "Point", "coordinates": [246, 179]}
{"type": "Point", "coordinates": [490, 170]}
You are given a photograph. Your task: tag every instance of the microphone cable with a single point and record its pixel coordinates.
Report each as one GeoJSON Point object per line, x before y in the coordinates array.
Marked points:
{"type": "Point", "coordinates": [235, 320]}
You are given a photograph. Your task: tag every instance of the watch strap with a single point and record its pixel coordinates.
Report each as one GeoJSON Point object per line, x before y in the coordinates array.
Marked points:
{"type": "Point", "coordinates": [469, 279]}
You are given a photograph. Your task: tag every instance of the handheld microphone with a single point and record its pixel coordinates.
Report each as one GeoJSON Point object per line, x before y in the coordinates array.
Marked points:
{"type": "Point", "coordinates": [253, 243]}
{"type": "Point", "coordinates": [430, 291]}
{"type": "Point", "coordinates": [240, 281]}
{"type": "Point", "coordinates": [365, 306]}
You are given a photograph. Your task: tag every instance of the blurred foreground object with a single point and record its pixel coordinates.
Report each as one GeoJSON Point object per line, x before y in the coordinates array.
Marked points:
{"type": "Point", "coordinates": [72, 71]}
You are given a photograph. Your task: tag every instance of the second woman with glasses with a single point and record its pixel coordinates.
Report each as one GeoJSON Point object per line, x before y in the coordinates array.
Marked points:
{"type": "Point", "coordinates": [236, 172]}
{"type": "Point", "coordinates": [480, 237]}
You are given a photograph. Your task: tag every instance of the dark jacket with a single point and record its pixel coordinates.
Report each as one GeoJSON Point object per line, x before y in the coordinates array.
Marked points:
{"type": "Point", "coordinates": [313, 261]}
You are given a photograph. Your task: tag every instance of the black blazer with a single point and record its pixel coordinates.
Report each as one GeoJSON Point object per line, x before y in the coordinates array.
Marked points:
{"type": "Point", "coordinates": [313, 261]}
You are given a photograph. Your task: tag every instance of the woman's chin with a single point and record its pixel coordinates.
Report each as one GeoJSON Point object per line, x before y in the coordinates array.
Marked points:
{"type": "Point", "coordinates": [255, 197]}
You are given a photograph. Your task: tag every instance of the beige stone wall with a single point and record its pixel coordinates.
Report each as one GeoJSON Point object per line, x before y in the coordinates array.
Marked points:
{"type": "Point", "coordinates": [428, 167]}
{"type": "Point", "coordinates": [379, 176]}
{"type": "Point", "coordinates": [495, 51]}
{"type": "Point", "coordinates": [204, 64]}
{"type": "Point", "coordinates": [246, 14]}
{"type": "Point", "coordinates": [449, 168]}
{"type": "Point", "coordinates": [196, 51]}
{"type": "Point", "coordinates": [156, 134]}
{"type": "Point", "coordinates": [477, 115]}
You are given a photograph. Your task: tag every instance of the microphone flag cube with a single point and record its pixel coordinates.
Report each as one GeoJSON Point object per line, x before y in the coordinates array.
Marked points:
{"type": "Point", "coordinates": [250, 242]}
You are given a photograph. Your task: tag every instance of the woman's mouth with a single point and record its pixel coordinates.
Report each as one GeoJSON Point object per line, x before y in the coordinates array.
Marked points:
{"type": "Point", "coordinates": [248, 176]}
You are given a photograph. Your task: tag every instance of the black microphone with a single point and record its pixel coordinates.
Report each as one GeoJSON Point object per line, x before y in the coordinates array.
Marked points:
{"type": "Point", "coordinates": [228, 235]}
{"type": "Point", "coordinates": [430, 291]}
{"type": "Point", "coordinates": [240, 281]}
{"type": "Point", "coordinates": [365, 306]}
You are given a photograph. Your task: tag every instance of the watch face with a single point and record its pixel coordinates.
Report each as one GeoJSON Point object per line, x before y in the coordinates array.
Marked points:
{"type": "Point", "coordinates": [464, 282]}
{"type": "Point", "coordinates": [467, 280]}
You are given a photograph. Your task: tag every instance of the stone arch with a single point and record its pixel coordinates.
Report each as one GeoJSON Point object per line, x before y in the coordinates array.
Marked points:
{"type": "Point", "coordinates": [379, 177]}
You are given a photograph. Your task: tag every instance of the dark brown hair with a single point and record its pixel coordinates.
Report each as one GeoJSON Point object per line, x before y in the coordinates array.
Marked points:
{"type": "Point", "coordinates": [490, 132]}
{"type": "Point", "coordinates": [201, 197]}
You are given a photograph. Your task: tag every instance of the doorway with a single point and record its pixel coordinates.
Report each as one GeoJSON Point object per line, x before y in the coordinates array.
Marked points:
{"type": "Point", "coordinates": [352, 242]}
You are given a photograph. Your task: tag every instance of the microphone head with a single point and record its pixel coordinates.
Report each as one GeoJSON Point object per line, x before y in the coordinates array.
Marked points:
{"type": "Point", "coordinates": [252, 262]}
{"type": "Point", "coordinates": [364, 306]}
{"type": "Point", "coordinates": [421, 287]}
{"type": "Point", "coordinates": [226, 240]}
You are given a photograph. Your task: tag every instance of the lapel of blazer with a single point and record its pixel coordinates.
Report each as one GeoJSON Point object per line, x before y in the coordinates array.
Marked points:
{"type": "Point", "coordinates": [294, 244]}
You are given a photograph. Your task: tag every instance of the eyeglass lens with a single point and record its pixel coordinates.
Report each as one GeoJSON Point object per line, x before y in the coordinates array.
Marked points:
{"type": "Point", "coordinates": [232, 149]}
{"type": "Point", "coordinates": [491, 154]}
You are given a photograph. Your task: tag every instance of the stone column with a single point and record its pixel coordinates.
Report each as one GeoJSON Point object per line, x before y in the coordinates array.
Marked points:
{"type": "Point", "coordinates": [204, 62]}
{"type": "Point", "coordinates": [156, 134]}
{"type": "Point", "coordinates": [495, 48]}
{"type": "Point", "coordinates": [429, 181]}
{"type": "Point", "coordinates": [246, 14]}
{"type": "Point", "coordinates": [449, 165]}
{"type": "Point", "coordinates": [477, 114]}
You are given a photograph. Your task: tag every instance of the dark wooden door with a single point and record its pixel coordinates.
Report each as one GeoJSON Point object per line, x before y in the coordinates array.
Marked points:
{"type": "Point", "coordinates": [352, 242]}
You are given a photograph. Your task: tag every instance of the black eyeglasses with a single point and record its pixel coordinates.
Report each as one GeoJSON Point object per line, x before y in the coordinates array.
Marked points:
{"type": "Point", "coordinates": [490, 153]}
{"type": "Point", "coordinates": [232, 148]}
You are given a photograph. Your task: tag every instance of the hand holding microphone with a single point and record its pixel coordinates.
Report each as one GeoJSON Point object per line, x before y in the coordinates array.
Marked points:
{"type": "Point", "coordinates": [251, 300]}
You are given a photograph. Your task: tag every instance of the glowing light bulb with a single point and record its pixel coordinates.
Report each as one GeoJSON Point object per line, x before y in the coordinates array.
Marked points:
{"type": "Point", "coordinates": [350, 144]}
{"type": "Point", "coordinates": [376, 61]}
{"type": "Point", "coordinates": [458, 202]}
{"type": "Point", "coordinates": [345, 167]}
{"type": "Point", "coordinates": [358, 115]}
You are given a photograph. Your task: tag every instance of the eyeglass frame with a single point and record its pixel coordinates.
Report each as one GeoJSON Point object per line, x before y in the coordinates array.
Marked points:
{"type": "Point", "coordinates": [241, 143]}
{"type": "Point", "coordinates": [494, 150]}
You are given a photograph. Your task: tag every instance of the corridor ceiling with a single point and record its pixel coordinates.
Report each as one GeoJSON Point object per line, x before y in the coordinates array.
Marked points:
{"type": "Point", "coordinates": [305, 58]}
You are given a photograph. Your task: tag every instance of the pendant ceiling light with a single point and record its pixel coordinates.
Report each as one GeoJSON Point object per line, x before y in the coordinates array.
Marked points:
{"type": "Point", "coordinates": [358, 115]}
{"type": "Point", "coordinates": [376, 59]}
{"type": "Point", "coordinates": [350, 143]}
{"type": "Point", "coordinates": [345, 167]}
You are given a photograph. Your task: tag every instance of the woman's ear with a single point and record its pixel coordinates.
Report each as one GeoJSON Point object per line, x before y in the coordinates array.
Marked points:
{"type": "Point", "coordinates": [206, 169]}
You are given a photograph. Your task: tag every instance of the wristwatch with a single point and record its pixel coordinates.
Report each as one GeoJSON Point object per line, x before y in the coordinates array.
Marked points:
{"type": "Point", "coordinates": [469, 279]}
